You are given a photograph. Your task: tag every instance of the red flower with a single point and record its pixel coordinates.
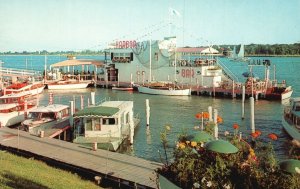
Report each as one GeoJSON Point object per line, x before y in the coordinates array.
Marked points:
{"type": "Point", "coordinates": [235, 126]}
{"type": "Point", "coordinates": [273, 136]}
{"type": "Point", "coordinates": [205, 115]}
{"type": "Point", "coordinates": [219, 119]}
{"type": "Point", "coordinates": [258, 132]}
{"type": "Point", "coordinates": [198, 116]}
{"type": "Point", "coordinates": [254, 135]}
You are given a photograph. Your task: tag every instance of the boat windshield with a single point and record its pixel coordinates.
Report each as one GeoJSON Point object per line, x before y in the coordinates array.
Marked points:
{"type": "Point", "coordinates": [296, 106]}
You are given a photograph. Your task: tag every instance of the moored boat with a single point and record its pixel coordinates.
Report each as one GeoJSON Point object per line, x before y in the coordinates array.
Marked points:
{"type": "Point", "coordinates": [47, 118]}
{"type": "Point", "coordinates": [168, 89]}
{"type": "Point", "coordinates": [13, 107]}
{"type": "Point", "coordinates": [63, 85]}
{"type": "Point", "coordinates": [83, 73]}
{"type": "Point", "coordinates": [291, 120]}
{"type": "Point", "coordinates": [34, 88]}
{"type": "Point", "coordinates": [106, 125]}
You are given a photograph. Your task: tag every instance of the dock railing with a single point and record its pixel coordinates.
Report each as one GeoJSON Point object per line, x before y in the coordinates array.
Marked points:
{"type": "Point", "coordinates": [227, 71]}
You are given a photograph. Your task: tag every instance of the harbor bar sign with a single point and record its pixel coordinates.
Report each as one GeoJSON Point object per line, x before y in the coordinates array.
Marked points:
{"type": "Point", "coordinates": [126, 44]}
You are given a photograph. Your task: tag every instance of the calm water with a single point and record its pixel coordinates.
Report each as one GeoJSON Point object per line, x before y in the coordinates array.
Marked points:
{"type": "Point", "coordinates": [179, 112]}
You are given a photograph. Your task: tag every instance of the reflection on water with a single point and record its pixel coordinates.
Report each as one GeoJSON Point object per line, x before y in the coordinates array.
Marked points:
{"type": "Point", "coordinates": [179, 113]}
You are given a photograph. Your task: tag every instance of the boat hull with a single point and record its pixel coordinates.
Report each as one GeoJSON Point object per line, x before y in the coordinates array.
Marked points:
{"type": "Point", "coordinates": [171, 92]}
{"type": "Point", "coordinates": [291, 130]}
{"type": "Point", "coordinates": [67, 86]}
{"type": "Point", "coordinates": [286, 94]}
{"type": "Point", "coordinates": [122, 88]}
{"type": "Point", "coordinates": [12, 118]}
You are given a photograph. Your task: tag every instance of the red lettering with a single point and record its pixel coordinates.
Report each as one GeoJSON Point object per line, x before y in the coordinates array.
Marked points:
{"type": "Point", "coordinates": [187, 73]}
{"type": "Point", "coordinates": [183, 72]}
{"type": "Point", "coordinates": [134, 44]}
{"type": "Point", "coordinates": [126, 44]}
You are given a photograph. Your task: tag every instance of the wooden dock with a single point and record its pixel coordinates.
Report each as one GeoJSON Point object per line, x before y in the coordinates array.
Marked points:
{"type": "Point", "coordinates": [132, 171]}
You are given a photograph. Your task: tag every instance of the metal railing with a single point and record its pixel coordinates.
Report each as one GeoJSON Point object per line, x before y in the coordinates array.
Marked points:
{"type": "Point", "coordinates": [227, 71]}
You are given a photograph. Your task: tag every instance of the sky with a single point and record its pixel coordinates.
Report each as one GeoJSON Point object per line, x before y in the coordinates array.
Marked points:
{"type": "Point", "coordinates": [60, 25]}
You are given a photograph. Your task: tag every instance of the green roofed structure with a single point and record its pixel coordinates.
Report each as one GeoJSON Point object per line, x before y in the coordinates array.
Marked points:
{"type": "Point", "coordinates": [105, 126]}
{"type": "Point", "coordinates": [96, 111]}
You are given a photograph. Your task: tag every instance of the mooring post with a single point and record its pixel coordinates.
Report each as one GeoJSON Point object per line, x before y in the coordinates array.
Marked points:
{"type": "Point", "coordinates": [93, 98]}
{"type": "Point", "coordinates": [216, 129]}
{"type": "Point", "coordinates": [50, 98]}
{"type": "Point", "coordinates": [25, 109]}
{"type": "Point", "coordinates": [71, 113]}
{"type": "Point", "coordinates": [147, 113]}
{"type": "Point", "coordinates": [210, 113]}
{"type": "Point", "coordinates": [202, 120]}
{"type": "Point", "coordinates": [81, 102]}
{"type": "Point", "coordinates": [252, 114]}
{"type": "Point", "coordinates": [243, 102]}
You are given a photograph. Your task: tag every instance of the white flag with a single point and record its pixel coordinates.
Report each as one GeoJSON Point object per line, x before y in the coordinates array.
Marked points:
{"type": "Point", "coordinates": [174, 12]}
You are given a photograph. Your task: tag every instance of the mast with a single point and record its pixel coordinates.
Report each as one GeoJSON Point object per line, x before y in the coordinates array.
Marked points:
{"type": "Point", "coordinates": [45, 68]}
{"type": "Point", "coordinates": [175, 65]}
{"type": "Point", "coordinates": [150, 62]}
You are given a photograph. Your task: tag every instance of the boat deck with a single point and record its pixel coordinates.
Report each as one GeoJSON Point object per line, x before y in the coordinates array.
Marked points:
{"type": "Point", "coordinates": [119, 167]}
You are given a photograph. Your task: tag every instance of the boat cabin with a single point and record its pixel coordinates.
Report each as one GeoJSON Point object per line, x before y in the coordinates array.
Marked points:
{"type": "Point", "coordinates": [50, 112]}
{"type": "Point", "coordinates": [292, 113]}
{"type": "Point", "coordinates": [108, 124]}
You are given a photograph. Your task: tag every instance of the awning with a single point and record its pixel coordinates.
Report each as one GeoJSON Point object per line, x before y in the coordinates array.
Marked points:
{"type": "Point", "coordinates": [96, 111]}
{"type": "Point", "coordinates": [78, 62]}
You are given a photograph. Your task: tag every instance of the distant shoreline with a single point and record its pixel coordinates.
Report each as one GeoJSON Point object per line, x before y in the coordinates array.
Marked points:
{"type": "Point", "coordinates": [266, 55]}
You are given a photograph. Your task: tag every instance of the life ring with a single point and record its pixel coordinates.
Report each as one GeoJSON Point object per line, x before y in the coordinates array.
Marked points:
{"type": "Point", "coordinates": [183, 63]}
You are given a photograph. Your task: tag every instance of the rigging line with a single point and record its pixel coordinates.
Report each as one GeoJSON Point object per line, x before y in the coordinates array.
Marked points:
{"type": "Point", "coordinates": [147, 28]}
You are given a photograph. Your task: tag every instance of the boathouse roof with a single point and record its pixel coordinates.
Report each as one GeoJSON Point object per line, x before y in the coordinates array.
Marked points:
{"type": "Point", "coordinates": [78, 62]}
{"type": "Point", "coordinates": [96, 111]}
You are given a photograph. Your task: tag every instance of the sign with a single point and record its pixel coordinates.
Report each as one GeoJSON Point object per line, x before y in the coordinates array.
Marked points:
{"type": "Point", "coordinates": [126, 44]}
{"type": "Point", "coordinates": [188, 73]}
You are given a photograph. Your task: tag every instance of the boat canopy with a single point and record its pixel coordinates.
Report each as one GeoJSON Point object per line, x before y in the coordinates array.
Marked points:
{"type": "Point", "coordinates": [96, 111]}
{"type": "Point", "coordinates": [50, 108]}
{"type": "Point", "coordinates": [78, 62]}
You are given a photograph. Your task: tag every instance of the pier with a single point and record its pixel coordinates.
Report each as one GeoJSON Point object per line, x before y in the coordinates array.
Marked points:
{"type": "Point", "coordinates": [128, 171]}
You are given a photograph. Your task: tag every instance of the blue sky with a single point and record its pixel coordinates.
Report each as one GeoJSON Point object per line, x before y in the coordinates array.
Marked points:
{"type": "Point", "coordinates": [35, 25]}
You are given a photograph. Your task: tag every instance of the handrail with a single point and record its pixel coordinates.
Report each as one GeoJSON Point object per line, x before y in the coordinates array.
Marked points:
{"type": "Point", "coordinates": [227, 71]}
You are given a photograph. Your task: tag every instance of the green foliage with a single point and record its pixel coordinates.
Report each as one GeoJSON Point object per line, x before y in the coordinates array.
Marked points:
{"type": "Point", "coordinates": [251, 167]}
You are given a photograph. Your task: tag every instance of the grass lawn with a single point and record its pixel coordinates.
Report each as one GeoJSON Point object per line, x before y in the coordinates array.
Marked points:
{"type": "Point", "coordinates": [18, 172]}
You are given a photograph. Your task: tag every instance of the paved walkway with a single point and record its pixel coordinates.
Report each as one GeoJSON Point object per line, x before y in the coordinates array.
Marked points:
{"type": "Point", "coordinates": [124, 167]}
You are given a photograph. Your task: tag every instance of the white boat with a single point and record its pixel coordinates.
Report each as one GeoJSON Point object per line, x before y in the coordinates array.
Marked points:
{"type": "Point", "coordinates": [240, 56]}
{"type": "Point", "coordinates": [291, 120]}
{"type": "Point", "coordinates": [82, 73]}
{"type": "Point", "coordinates": [51, 117]}
{"type": "Point", "coordinates": [34, 88]}
{"type": "Point", "coordinates": [106, 125]}
{"type": "Point", "coordinates": [13, 106]}
{"type": "Point", "coordinates": [168, 89]}
{"type": "Point", "coordinates": [65, 85]}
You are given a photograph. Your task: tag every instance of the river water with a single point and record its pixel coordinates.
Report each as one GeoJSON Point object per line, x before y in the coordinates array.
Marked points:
{"type": "Point", "coordinates": [179, 112]}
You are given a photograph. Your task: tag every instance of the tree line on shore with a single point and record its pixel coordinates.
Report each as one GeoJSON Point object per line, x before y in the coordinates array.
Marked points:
{"type": "Point", "coordinates": [266, 50]}
{"type": "Point", "coordinates": [250, 50]}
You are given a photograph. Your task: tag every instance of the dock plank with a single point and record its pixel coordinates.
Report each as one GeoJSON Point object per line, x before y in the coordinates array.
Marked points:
{"type": "Point", "coordinates": [120, 166]}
